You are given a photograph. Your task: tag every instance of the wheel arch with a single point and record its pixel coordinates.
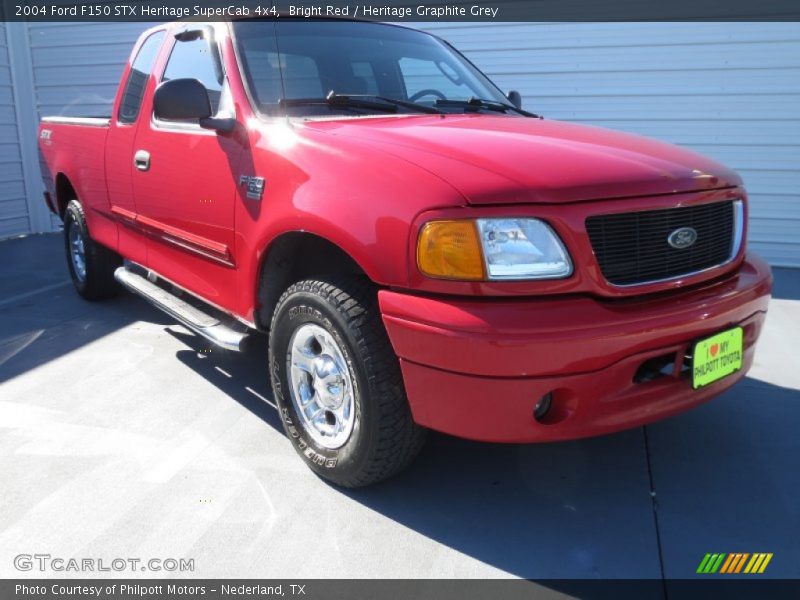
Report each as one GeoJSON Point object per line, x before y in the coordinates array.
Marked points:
{"type": "Point", "coordinates": [291, 257]}
{"type": "Point", "coordinates": [65, 192]}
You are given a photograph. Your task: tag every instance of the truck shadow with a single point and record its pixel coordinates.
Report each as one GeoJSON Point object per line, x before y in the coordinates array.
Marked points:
{"type": "Point", "coordinates": [242, 376]}
{"type": "Point", "coordinates": [580, 509]}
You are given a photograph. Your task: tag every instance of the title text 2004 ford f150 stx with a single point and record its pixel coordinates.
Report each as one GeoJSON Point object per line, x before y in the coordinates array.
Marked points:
{"type": "Point", "coordinates": [422, 252]}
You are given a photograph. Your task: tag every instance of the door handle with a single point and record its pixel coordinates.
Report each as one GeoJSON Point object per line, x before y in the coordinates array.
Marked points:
{"type": "Point", "coordinates": [142, 160]}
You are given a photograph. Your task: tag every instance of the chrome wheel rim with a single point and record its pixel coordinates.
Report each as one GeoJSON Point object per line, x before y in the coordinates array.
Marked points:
{"type": "Point", "coordinates": [77, 252]}
{"type": "Point", "coordinates": [321, 386]}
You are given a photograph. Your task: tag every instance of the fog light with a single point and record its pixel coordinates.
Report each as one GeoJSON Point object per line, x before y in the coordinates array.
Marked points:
{"type": "Point", "coordinates": [542, 406]}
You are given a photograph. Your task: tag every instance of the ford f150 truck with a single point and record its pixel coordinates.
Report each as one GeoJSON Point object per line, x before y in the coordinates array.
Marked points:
{"type": "Point", "coordinates": [422, 252]}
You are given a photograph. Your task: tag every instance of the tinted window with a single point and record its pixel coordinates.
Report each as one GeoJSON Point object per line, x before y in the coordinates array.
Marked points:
{"type": "Point", "coordinates": [137, 78]}
{"type": "Point", "coordinates": [197, 59]}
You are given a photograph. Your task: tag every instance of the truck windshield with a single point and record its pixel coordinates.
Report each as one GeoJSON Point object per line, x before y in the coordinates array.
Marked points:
{"type": "Point", "coordinates": [293, 66]}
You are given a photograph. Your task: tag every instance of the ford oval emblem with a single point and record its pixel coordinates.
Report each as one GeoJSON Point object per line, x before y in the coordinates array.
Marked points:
{"type": "Point", "coordinates": [682, 238]}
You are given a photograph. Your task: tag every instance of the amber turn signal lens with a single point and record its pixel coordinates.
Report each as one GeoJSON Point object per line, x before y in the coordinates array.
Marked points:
{"type": "Point", "coordinates": [450, 250]}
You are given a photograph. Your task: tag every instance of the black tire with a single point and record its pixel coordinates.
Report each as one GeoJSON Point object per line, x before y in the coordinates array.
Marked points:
{"type": "Point", "coordinates": [97, 282]}
{"type": "Point", "coordinates": [384, 438]}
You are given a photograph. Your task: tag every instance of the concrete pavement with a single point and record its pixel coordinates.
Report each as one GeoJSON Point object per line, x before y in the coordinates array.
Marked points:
{"type": "Point", "coordinates": [123, 435]}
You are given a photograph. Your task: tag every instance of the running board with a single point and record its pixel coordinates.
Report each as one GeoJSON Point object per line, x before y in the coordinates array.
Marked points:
{"type": "Point", "coordinates": [224, 332]}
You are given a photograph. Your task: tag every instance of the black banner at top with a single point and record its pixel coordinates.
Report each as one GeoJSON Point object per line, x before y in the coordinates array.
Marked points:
{"type": "Point", "coordinates": [402, 10]}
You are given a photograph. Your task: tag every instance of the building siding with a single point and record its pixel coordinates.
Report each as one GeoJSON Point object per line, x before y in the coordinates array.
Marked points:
{"type": "Point", "coordinates": [77, 66]}
{"type": "Point", "coordinates": [13, 205]}
{"type": "Point", "coordinates": [728, 90]}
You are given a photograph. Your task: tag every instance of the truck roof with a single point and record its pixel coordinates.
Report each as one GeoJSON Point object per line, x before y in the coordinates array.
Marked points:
{"type": "Point", "coordinates": [284, 15]}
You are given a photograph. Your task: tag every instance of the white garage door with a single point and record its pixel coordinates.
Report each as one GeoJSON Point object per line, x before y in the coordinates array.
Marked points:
{"type": "Point", "coordinates": [728, 90]}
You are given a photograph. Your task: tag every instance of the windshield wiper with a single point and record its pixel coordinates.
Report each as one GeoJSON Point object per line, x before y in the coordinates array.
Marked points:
{"type": "Point", "coordinates": [397, 102]}
{"type": "Point", "coordinates": [334, 100]}
{"type": "Point", "coordinates": [479, 103]}
{"type": "Point", "coordinates": [367, 101]}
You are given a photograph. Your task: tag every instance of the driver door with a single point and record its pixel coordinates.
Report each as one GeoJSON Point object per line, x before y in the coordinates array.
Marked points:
{"type": "Point", "coordinates": [185, 182]}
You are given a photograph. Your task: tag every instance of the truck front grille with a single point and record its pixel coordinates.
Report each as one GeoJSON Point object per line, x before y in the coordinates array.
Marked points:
{"type": "Point", "coordinates": [633, 248]}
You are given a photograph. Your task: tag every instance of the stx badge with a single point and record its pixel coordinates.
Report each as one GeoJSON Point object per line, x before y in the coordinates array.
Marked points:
{"type": "Point", "coordinates": [255, 186]}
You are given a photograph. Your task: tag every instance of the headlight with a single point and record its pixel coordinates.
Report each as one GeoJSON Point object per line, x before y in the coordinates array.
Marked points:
{"type": "Point", "coordinates": [494, 249]}
{"type": "Point", "coordinates": [522, 249]}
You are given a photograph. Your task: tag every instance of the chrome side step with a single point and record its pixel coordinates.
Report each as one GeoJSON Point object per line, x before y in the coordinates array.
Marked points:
{"type": "Point", "coordinates": [224, 332]}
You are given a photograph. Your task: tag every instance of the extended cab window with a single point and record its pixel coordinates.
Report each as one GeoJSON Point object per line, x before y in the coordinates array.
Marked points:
{"type": "Point", "coordinates": [197, 59]}
{"type": "Point", "coordinates": [137, 78]}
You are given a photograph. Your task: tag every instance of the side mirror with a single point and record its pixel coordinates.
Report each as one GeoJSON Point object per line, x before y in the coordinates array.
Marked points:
{"type": "Point", "coordinates": [515, 98]}
{"type": "Point", "coordinates": [181, 99]}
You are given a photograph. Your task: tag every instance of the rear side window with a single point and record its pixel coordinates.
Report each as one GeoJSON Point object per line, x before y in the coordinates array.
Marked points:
{"type": "Point", "coordinates": [137, 78]}
{"type": "Point", "coordinates": [197, 59]}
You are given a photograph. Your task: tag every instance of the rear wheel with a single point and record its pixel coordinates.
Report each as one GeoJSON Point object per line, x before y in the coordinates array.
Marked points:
{"type": "Point", "coordinates": [91, 265]}
{"type": "Point", "coordinates": [338, 384]}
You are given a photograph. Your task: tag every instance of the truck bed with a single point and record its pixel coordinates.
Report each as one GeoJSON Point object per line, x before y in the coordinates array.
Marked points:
{"type": "Point", "coordinates": [75, 146]}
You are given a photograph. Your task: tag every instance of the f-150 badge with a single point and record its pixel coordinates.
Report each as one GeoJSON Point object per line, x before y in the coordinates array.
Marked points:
{"type": "Point", "coordinates": [255, 186]}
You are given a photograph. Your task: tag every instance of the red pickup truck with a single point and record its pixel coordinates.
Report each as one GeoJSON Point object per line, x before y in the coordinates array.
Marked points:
{"type": "Point", "coordinates": [422, 252]}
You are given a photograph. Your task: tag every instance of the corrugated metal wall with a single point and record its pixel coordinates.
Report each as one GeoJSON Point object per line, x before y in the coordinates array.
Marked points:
{"type": "Point", "coordinates": [77, 66]}
{"type": "Point", "coordinates": [13, 207]}
{"type": "Point", "coordinates": [728, 90]}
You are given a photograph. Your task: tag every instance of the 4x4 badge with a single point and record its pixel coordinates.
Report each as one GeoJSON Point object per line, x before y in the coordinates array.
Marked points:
{"type": "Point", "coordinates": [255, 186]}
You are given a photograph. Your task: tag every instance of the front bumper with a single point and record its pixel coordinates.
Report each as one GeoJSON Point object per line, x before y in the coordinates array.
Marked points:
{"type": "Point", "coordinates": [476, 368]}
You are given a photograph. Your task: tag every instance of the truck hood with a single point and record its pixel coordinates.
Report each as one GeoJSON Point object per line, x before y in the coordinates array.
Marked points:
{"type": "Point", "coordinates": [508, 160]}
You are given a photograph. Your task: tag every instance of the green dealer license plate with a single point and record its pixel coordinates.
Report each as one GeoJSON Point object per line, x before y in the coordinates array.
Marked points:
{"type": "Point", "coordinates": [717, 357]}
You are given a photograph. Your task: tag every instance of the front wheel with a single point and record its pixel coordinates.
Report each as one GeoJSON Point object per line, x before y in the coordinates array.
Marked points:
{"type": "Point", "coordinates": [338, 384]}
